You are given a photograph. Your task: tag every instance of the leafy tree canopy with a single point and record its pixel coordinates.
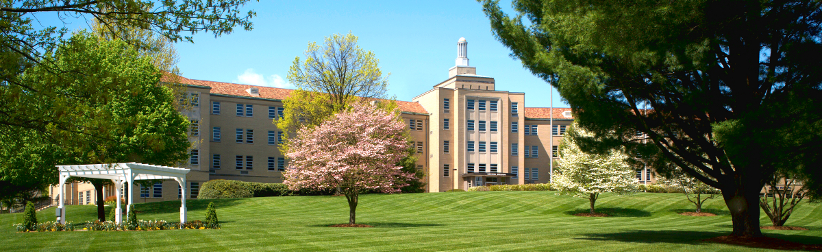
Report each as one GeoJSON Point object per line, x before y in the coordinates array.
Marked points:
{"type": "Point", "coordinates": [733, 87]}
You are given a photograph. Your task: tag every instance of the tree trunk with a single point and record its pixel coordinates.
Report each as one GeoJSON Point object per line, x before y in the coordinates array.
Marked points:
{"type": "Point", "coordinates": [742, 200]}
{"type": "Point", "coordinates": [698, 203]}
{"type": "Point", "coordinates": [592, 198]}
{"type": "Point", "coordinates": [101, 211]}
{"type": "Point", "coordinates": [352, 197]}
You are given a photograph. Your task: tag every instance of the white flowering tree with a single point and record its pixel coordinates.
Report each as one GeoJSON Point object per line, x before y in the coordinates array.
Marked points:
{"type": "Point", "coordinates": [356, 150]}
{"type": "Point", "coordinates": [586, 175]}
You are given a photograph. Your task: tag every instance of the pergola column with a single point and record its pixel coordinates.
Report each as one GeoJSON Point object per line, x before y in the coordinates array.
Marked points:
{"type": "Point", "coordinates": [183, 193]}
{"type": "Point", "coordinates": [61, 208]}
{"type": "Point", "coordinates": [130, 189]}
{"type": "Point", "coordinates": [118, 212]}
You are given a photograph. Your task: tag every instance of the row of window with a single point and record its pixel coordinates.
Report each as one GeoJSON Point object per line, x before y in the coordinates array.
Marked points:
{"type": "Point", "coordinates": [493, 146]}
{"type": "Point", "coordinates": [156, 190]}
{"type": "Point", "coordinates": [482, 125]}
{"type": "Point", "coordinates": [247, 162]}
{"type": "Point", "coordinates": [647, 175]}
{"type": "Point", "coordinates": [530, 173]}
{"type": "Point", "coordinates": [482, 103]}
{"type": "Point", "coordinates": [247, 110]}
{"type": "Point", "coordinates": [192, 97]}
{"type": "Point", "coordinates": [530, 151]}
{"type": "Point", "coordinates": [481, 168]}
{"type": "Point", "coordinates": [87, 198]}
{"type": "Point", "coordinates": [274, 137]}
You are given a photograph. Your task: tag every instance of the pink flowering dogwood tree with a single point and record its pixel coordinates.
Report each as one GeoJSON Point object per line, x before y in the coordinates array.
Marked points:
{"type": "Point", "coordinates": [356, 150]}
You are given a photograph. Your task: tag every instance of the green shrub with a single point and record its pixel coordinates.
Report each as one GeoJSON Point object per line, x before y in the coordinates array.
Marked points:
{"type": "Point", "coordinates": [656, 188]}
{"type": "Point", "coordinates": [267, 189]}
{"type": "Point", "coordinates": [132, 223]}
{"type": "Point", "coordinates": [30, 218]}
{"type": "Point", "coordinates": [224, 189]}
{"type": "Point", "coordinates": [111, 214]}
{"type": "Point", "coordinates": [211, 217]}
{"type": "Point", "coordinates": [525, 187]}
{"type": "Point", "coordinates": [455, 190]}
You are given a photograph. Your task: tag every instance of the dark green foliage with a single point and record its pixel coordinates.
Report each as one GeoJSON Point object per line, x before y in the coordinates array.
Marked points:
{"type": "Point", "coordinates": [211, 217]}
{"type": "Point", "coordinates": [733, 88]}
{"type": "Point", "coordinates": [112, 214]}
{"type": "Point", "coordinates": [409, 165]}
{"type": "Point", "coordinates": [132, 223]}
{"type": "Point", "coordinates": [229, 189]}
{"type": "Point", "coordinates": [456, 190]}
{"type": "Point", "coordinates": [30, 217]}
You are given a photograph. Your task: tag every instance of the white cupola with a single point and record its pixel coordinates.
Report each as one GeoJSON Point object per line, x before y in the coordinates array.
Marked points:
{"type": "Point", "coordinates": [462, 52]}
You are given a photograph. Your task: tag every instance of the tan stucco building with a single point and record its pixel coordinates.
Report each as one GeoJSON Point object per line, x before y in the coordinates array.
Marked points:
{"type": "Point", "coordinates": [468, 133]}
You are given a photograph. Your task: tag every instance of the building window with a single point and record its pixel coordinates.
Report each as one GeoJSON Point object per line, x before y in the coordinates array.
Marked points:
{"type": "Point", "coordinates": [239, 109]}
{"type": "Point", "coordinates": [249, 110]}
{"type": "Point", "coordinates": [470, 146]}
{"type": "Point", "coordinates": [514, 149]}
{"type": "Point", "coordinates": [446, 104]}
{"type": "Point", "coordinates": [280, 112]}
{"type": "Point", "coordinates": [514, 108]}
{"type": "Point", "coordinates": [179, 191]}
{"type": "Point", "coordinates": [195, 157]}
{"type": "Point", "coordinates": [446, 146]}
{"type": "Point", "coordinates": [194, 188]}
{"type": "Point", "coordinates": [534, 174]}
{"type": "Point", "coordinates": [419, 124]}
{"type": "Point", "coordinates": [446, 170]}
{"type": "Point", "coordinates": [493, 147]}
{"type": "Point", "coordinates": [482, 146]}
{"type": "Point", "coordinates": [215, 108]}
{"type": "Point", "coordinates": [647, 174]}
{"type": "Point", "coordinates": [411, 124]}
{"type": "Point", "coordinates": [558, 130]}
{"type": "Point", "coordinates": [527, 130]}
{"type": "Point", "coordinates": [158, 190]}
{"type": "Point", "coordinates": [493, 126]}
{"type": "Point", "coordinates": [419, 147]}
{"type": "Point", "coordinates": [481, 104]}
{"type": "Point", "coordinates": [239, 162]}
{"type": "Point", "coordinates": [272, 137]}
{"type": "Point", "coordinates": [554, 151]}
{"type": "Point", "coordinates": [514, 127]}
{"type": "Point", "coordinates": [527, 174]}
{"type": "Point", "coordinates": [279, 137]}
{"type": "Point", "coordinates": [470, 168]}
{"type": "Point", "coordinates": [215, 134]}
{"type": "Point", "coordinates": [535, 151]}
{"type": "Point", "coordinates": [271, 163]}
{"type": "Point", "coordinates": [249, 160]}
{"type": "Point", "coordinates": [143, 191]}
{"type": "Point", "coordinates": [195, 99]}
{"type": "Point", "coordinates": [470, 125]}
{"type": "Point", "coordinates": [481, 167]}
{"type": "Point", "coordinates": [470, 104]}
{"type": "Point", "coordinates": [215, 161]}
{"type": "Point", "coordinates": [272, 112]}
{"type": "Point", "coordinates": [494, 168]}
{"type": "Point", "coordinates": [494, 105]}
{"type": "Point", "coordinates": [481, 125]}
{"type": "Point", "coordinates": [249, 136]}
{"type": "Point", "coordinates": [514, 171]}
{"type": "Point", "coordinates": [533, 130]}
{"type": "Point", "coordinates": [446, 124]}
{"type": "Point", "coordinates": [281, 164]}
{"type": "Point", "coordinates": [239, 135]}
{"type": "Point", "coordinates": [195, 127]}
{"type": "Point", "coordinates": [526, 150]}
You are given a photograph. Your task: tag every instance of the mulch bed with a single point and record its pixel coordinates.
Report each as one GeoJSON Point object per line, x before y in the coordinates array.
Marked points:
{"type": "Point", "coordinates": [350, 225]}
{"type": "Point", "coordinates": [697, 214]}
{"type": "Point", "coordinates": [764, 242]}
{"type": "Point", "coordinates": [592, 215]}
{"type": "Point", "coordinates": [783, 228]}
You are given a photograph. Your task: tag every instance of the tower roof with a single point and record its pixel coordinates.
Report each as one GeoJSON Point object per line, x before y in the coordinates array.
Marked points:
{"type": "Point", "coordinates": [462, 40]}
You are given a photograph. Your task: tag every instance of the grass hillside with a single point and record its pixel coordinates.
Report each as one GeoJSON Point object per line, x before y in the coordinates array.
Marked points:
{"type": "Point", "coordinates": [478, 221]}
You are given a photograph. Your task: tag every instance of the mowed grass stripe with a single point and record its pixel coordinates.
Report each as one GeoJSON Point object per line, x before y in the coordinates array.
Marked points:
{"type": "Point", "coordinates": [466, 221]}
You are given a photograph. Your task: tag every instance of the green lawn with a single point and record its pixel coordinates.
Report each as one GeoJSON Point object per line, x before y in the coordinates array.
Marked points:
{"type": "Point", "coordinates": [478, 221]}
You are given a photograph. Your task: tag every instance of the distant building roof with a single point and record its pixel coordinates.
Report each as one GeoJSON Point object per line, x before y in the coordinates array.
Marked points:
{"type": "Point", "coordinates": [268, 92]}
{"type": "Point", "coordinates": [545, 113]}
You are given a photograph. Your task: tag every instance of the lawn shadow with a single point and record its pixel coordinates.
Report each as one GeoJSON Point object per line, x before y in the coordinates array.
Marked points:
{"type": "Point", "coordinates": [613, 212]}
{"type": "Point", "coordinates": [191, 205]}
{"type": "Point", "coordinates": [387, 224]}
{"type": "Point", "coordinates": [713, 211]}
{"type": "Point", "coordinates": [662, 236]}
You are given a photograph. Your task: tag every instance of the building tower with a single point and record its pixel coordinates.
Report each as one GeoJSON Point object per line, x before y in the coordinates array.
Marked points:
{"type": "Point", "coordinates": [462, 52]}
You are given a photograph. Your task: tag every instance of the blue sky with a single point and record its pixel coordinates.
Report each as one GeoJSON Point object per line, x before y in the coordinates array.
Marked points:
{"type": "Point", "coordinates": [416, 41]}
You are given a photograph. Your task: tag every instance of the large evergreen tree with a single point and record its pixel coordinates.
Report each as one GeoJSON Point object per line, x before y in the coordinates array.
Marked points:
{"type": "Point", "coordinates": [733, 87]}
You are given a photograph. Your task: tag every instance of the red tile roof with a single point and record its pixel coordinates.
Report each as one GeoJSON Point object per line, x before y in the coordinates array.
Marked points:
{"type": "Point", "coordinates": [268, 92]}
{"type": "Point", "coordinates": [545, 113]}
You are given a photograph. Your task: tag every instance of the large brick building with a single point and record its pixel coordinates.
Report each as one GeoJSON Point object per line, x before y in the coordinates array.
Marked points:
{"type": "Point", "coordinates": [467, 133]}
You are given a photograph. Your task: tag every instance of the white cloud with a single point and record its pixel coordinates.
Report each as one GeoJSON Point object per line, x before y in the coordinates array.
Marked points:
{"type": "Point", "coordinates": [252, 78]}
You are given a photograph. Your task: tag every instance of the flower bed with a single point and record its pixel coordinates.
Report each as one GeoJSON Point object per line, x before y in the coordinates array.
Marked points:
{"type": "Point", "coordinates": [142, 225]}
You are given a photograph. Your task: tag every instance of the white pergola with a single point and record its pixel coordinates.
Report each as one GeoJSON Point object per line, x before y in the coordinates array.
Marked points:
{"type": "Point", "coordinates": [120, 173]}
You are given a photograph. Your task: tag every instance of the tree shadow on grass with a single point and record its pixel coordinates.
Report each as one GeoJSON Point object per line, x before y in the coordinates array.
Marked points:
{"type": "Point", "coordinates": [713, 211]}
{"type": "Point", "coordinates": [387, 224]}
{"type": "Point", "coordinates": [685, 237]}
{"type": "Point", "coordinates": [191, 205]}
{"type": "Point", "coordinates": [613, 212]}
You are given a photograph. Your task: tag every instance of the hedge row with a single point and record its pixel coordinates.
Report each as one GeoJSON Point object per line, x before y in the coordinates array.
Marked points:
{"type": "Point", "coordinates": [659, 189]}
{"type": "Point", "coordinates": [525, 187]}
{"type": "Point", "coordinates": [228, 189]}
